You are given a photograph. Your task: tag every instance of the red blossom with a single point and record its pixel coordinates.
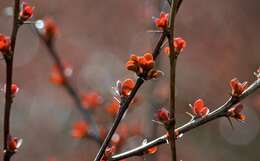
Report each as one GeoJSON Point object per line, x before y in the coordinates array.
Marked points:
{"type": "Point", "coordinates": [4, 44]}
{"type": "Point", "coordinates": [162, 21]}
{"type": "Point", "coordinates": [113, 108]}
{"type": "Point", "coordinates": [199, 108]}
{"type": "Point", "coordinates": [235, 112]}
{"type": "Point", "coordinates": [13, 143]}
{"type": "Point", "coordinates": [152, 150]}
{"type": "Point", "coordinates": [257, 73]}
{"type": "Point", "coordinates": [14, 89]}
{"type": "Point", "coordinates": [27, 12]}
{"type": "Point", "coordinates": [237, 87]}
{"type": "Point", "coordinates": [50, 29]}
{"type": "Point", "coordinates": [56, 77]}
{"type": "Point", "coordinates": [143, 66]}
{"type": "Point", "coordinates": [91, 100]}
{"type": "Point", "coordinates": [178, 43]}
{"type": "Point", "coordinates": [79, 129]}
{"type": "Point", "coordinates": [127, 87]}
{"type": "Point", "coordinates": [163, 115]}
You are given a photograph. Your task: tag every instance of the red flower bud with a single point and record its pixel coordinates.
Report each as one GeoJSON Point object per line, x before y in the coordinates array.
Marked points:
{"type": "Point", "coordinates": [235, 112]}
{"type": "Point", "coordinates": [113, 108]}
{"type": "Point", "coordinates": [4, 44]}
{"type": "Point", "coordinates": [237, 87]}
{"type": "Point", "coordinates": [179, 44]}
{"type": "Point", "coordinates": [152, 150]}
{"type": "Point", "coordinates": [14, 89]}
{"type": "Point", "coordinates": [92, 100]}
{"type": "Point", "coordinates": [127, 87]}
{"type": "Point", "coordinates": [163, 115]}
{"type": "Point", "coordinates": [162, 21]}
{"type": "Point", "coordinates": [79, 129]}
{"type": "Point", "coordinates": [26, 13]}
{"type": "Point", "coordinates": [257, 73]}
{"type": "Point", "coordinates": [199, 108]}
{"type": "Point", "coordinates": [50, 29]}
{"type": "Point", "coordinates": [13, 143]}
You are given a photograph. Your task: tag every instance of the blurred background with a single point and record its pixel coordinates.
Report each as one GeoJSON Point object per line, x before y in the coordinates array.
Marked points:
{"type": "Point", "coordinates": [96, 38]}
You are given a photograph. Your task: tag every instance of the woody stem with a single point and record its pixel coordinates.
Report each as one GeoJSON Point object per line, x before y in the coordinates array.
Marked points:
{"type": "Point", "coordinates": [9, 73]}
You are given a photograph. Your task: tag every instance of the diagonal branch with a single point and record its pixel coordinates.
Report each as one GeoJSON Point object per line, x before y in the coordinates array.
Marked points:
{"type": "Point", "coordinates": [69, 88]}
{"type": "Point", "coordinates": [218, 113]}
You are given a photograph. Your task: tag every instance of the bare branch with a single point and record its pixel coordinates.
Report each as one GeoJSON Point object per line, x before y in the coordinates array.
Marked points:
{"type": "Point", "coordinates": [218, 113]}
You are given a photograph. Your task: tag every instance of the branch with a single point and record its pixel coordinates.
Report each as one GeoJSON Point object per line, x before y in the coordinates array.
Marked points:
{"type": "Point", "coordinates": [125, 104]}
{"type": "Point", "coordinates": [9, 72]}
{"type": "Point", "coordinates": [69, 88]}
{"type": "Point", "coordinates": [218, 113]}
{"type": "Point", "coordinates": [173, 60]}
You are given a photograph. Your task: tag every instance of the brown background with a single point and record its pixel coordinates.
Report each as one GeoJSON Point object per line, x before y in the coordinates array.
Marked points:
{"type": "Point", "coordinates": [97, 38]}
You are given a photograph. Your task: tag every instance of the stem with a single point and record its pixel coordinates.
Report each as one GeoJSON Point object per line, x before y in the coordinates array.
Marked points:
{"type": "Point", "coordinates": [123, 107]}
{"type": "Point", "coordinates": [69, 88]}
{"type": "Point", "coordinates": [125, 104]}
{"type": "Point", "coordinates": [9, 72]}
{"type": "Point", "coordinates": [218, 113]}
{"type": "Point", "coordinates": [173, 60]}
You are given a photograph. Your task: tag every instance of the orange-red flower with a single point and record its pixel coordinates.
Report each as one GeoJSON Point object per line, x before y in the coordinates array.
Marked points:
{"type": "Point", "coordinates": [26, 12]}
{"type": "Point", "coordinates": [235, 112]}
{"type": "Point", "coordinates": [146, 62]}
{"type": "Point", "coordinates": [143, 66]}
{"type": "Point", "coordinates": [163, 115]}
{"type": "Point", "coordinates": [56, 77]}
{"type": "Point", "coordinates": [257, 73]}
{"type": "Point", "coordinates": [79, 129]}
{"type": "Point", "coordinates": [14, 89]}
{"type": "Point", "coordinates": [127, 87]}
{"type": "Point", "coordinates": [91, 100]}
{"type": "Point", "coordinates": [152, 150]}
{"type": "Point", "coordinates": [113, 108]}
{"type": "Point", "coordinates": [179, 44]}
{"type": "Point", "coordinates": [4, 44]}
{"type": "Point", "coordinates": [13, 143]}
{"type": "Point", "coordinates": [50, 29]}
{"type": "Point", "coordinates": [237, 87]}
{"type": "Point", "coordinates": [162, 21]}
{"type": "Point", "coordinates": [199, 108]}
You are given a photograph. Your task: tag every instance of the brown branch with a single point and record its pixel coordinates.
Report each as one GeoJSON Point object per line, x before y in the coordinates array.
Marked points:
{"type": "Point", "coordinates": [218, 113]}
{"type": "Point", "coordinates": [69, 87]}
{"type": "Point", "coordinates": [124, 105]}
{"type": "Point", "coordinates": [173, 60]}
{"type": "Point", "coordinates": [9, 72]}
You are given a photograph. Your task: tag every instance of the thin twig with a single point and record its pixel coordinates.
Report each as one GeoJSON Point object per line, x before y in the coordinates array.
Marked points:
{"type": "Point", "coordinates": [218, 113]}
{"type": "Point", "coordinates": [173, 61]}
{"type": "Point", "coordinates": [9, 72]}
{"type": "Point", "coordinates": [69, 88]}
{"type": "Point", "coordinates": [123, 107]}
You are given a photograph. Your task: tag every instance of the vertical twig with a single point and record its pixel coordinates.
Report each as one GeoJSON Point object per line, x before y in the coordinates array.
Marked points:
{"type": "Point", "coordinates": [173, 60]}
{"type": "Point", "coordinates": [9, 72]}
